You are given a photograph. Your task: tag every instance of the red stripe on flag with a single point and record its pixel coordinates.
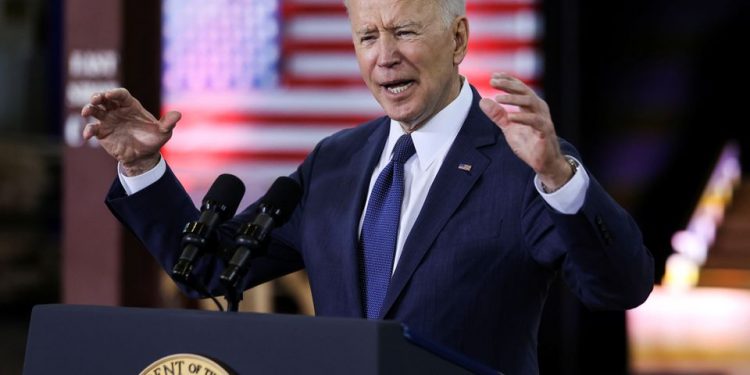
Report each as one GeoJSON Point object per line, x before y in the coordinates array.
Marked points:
{"type": "Point", "coordinates": [202, 156]}
{"type": "Point", "coordinates": [290, 9]}
{"type": "Point", "coordinates": [291, 46]}
{"type": "Point", "coordinates": [274, 118]}
{"type": "Point", "coordinates": [495, 7]}
{"type": "Point", "coordinates": [322, 82]}
{"type": "Point", "coordinates": [505, 45]}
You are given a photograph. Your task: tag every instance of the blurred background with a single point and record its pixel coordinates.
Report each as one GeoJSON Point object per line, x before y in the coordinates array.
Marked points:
{"type": "Point", "coordinates": [653, 94]}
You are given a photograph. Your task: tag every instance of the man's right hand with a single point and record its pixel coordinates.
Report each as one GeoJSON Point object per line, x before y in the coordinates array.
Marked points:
{"type": "Point", "coordinates": [127, 131]}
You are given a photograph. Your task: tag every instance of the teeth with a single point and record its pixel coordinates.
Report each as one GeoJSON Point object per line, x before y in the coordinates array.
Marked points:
{"type": "Point", "coordinates": [399, 89]}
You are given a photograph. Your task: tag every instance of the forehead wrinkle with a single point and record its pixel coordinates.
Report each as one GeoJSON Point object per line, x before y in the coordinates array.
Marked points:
{"type": "Point", "coordinates": [374, 18]}
{"type": "Point", "coordinates": [407, 23]}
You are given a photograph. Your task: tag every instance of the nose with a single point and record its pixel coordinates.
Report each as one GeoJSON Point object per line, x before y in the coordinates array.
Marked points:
{"type": "Point", "coordinates": [388, 53]}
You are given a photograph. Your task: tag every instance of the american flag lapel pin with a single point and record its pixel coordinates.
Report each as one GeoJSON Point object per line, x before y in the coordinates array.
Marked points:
{"type": "Point", "coordinates": [465, 167]}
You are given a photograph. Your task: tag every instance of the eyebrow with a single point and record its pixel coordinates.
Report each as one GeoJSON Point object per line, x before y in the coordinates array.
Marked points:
{"type": "Point", "coordinates": [365, 29]}
{"type": "Point", "coordinates": [368, 29]}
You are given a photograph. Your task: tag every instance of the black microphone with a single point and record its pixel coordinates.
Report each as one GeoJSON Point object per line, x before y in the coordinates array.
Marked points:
{"type": "Point", "coordinates": [274, 209]}
{"type": "Point", "coordinates": [220, 204]}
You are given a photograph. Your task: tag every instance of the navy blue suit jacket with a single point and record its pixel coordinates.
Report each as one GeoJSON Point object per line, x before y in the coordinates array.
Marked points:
{"type": "Point", "coordinates": [477, 264]}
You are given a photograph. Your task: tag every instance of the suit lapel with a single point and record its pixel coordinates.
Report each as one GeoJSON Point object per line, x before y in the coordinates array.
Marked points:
{"type": "Point", "coordinates": [445, 195]}
{"type": "Point", "coordinates": [368, 156]}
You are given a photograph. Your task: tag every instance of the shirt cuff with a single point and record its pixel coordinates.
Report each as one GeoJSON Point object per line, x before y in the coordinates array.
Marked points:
{"type": "Point", "coordinates": [134, 184]}
{"type": "Point", "coordinates": [569, 198]}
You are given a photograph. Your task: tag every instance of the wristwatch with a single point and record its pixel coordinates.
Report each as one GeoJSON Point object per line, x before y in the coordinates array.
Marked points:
{"type": "Point", "coordinates": [573, 163]}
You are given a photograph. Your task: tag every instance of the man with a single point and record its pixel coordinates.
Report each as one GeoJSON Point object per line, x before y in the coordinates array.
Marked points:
{"type": "Point", "coordinates": [489, 204]}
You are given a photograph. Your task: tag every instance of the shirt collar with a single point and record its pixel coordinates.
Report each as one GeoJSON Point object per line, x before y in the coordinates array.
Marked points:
{"type": "Point", "coordinates": [439, 132]}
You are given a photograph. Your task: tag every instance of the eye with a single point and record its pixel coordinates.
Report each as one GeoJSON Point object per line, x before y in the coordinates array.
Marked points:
{"type": "Point", "coordinates": [366, 39]}
{"type": "Point", "coordinates": [405, 33]}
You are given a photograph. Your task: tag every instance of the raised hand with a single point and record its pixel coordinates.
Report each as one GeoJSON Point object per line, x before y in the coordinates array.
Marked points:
{"type": "Point", "coordinates": [126, 130]}
{"type": "Point", "coordinates": [529, 132]}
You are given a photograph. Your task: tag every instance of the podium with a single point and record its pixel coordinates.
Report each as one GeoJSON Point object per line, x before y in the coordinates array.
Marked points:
{"type": "Point", "coordinates": [71, 339]}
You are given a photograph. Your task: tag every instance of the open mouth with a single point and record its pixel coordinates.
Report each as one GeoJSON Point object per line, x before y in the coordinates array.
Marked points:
{"type": "Point", "coordinates": [397, 87]}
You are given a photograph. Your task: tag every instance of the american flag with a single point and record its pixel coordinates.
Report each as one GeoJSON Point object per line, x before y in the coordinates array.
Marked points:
{"type": "Point", "coordinates": [260, 82]}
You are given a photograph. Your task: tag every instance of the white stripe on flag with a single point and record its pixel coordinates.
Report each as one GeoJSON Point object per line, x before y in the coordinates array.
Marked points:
{"type": "Point", "coordinates": [520, 25]}
{"type": "Point", "coordinates": [524, 63]}
{"type": "Point", "coordinates": [319, 28]}
{"type": "Point", "coordinates": [242, 137]}
{"type": "Point", "coordinates": [323, 64]}
{"type": "Point", "coordinates": [334, 102]}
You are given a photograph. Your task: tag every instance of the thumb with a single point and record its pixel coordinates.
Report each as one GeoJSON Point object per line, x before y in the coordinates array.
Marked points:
{"type": "Point", "coordinates": [494, 111]}
{"type": "Point", "coordinates": [169, 121]}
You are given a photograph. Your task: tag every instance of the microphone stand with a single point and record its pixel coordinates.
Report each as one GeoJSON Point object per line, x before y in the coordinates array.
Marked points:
{"type": "Point", "coordinates": [232, 294]}
{"type": "Point", "coordinates": [250, 238]}
{"type": "Point", "coordinates": [232, 277]}
{"type": "Point", "coordinates": [233, 297]}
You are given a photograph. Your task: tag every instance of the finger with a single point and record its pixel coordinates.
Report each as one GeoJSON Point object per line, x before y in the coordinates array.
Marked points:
{"type": "Point", "coordinates": [120, 95]}
{"type": "Point", "coordinates": [510, 85]}
{"type": "Point", "coordinates": [529, 119]}
{"type": "Point", "coordinates": [504, 75]}
{"type": "Point", "coordinates": [97, 111]}
{"type": "Point", "coordinates": [100, 99]}
{"type": "Point", "coordinates": [96, 98]}
{"type": "Point", "coordinates": [494, 111]}
{"type": "Point", "coordinates": [91, 130]}
{"type": "Point", "coordinates": [524, 101]}
{"type": "Point", "coordinates": [169, 121]}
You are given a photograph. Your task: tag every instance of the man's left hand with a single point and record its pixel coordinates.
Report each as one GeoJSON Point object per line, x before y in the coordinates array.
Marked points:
{"type": "Point", "coordinates": [529, 132]}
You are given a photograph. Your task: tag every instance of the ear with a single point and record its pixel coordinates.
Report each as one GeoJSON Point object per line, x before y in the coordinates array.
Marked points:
{"type": "Point", "coordinates": [460, 29]}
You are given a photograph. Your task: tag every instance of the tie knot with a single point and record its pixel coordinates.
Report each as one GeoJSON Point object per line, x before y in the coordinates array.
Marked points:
{"type": "Point", "coordinates": [404, 149]}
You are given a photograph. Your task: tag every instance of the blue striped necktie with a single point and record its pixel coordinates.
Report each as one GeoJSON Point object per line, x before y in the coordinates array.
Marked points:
{"type": "Point", "coordinates": [377, 242]}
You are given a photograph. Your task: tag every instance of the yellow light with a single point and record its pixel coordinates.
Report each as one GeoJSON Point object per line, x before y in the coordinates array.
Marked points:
{"type": "Point", "coordinates": [681, 273]}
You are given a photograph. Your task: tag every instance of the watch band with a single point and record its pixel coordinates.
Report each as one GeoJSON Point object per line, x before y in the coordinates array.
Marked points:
{"type": "Point", "coordinates": [573, 163]}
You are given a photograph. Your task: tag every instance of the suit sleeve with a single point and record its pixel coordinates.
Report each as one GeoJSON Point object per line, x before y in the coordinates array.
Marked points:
{"type": "Point", "coordinates": [158, 213]}
{"type": "Point", "coordinates": [599, 250]}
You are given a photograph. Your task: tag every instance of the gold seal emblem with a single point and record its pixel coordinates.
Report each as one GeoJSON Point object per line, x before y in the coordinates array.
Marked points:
{"type": "Point", "coordinates": [184, 364]}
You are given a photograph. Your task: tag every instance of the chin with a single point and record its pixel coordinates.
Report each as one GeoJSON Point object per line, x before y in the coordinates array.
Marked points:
{"type": "Point", "coordinates": [404, 120]}
{"type": "Point", "coordinates": [402, 115]}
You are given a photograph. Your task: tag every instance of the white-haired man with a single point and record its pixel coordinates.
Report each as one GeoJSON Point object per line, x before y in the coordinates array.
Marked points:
{"type": "Point", "coordinates": [449, 214]}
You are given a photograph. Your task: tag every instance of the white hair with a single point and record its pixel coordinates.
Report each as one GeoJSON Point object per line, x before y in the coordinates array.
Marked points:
{"type": "Point", "coordinates": [450, 9]}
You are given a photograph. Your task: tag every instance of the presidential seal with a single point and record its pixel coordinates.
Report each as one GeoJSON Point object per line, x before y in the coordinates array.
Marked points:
{"type": "Point", "coordinates": [184, 364]}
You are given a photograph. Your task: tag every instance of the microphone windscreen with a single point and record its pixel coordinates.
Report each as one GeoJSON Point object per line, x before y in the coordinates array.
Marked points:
{"type": "Point", "coordinates": [284, 195]}
{"type": "Point", "coordinates": [227, 191]}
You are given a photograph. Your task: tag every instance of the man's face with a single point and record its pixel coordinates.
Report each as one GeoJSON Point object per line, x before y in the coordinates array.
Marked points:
{"type": "Point", "coordinates": [408, 57]}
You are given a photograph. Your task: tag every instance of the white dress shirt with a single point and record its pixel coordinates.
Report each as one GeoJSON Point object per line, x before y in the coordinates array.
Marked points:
{"type": "Point", "coordinates": [432, 142]}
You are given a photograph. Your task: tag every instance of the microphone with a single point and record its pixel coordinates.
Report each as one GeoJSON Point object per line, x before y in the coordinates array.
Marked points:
{"type": "Point", "coordinates": [219, 205]}
{"type": "Point", "coordinates": [274, 209]}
